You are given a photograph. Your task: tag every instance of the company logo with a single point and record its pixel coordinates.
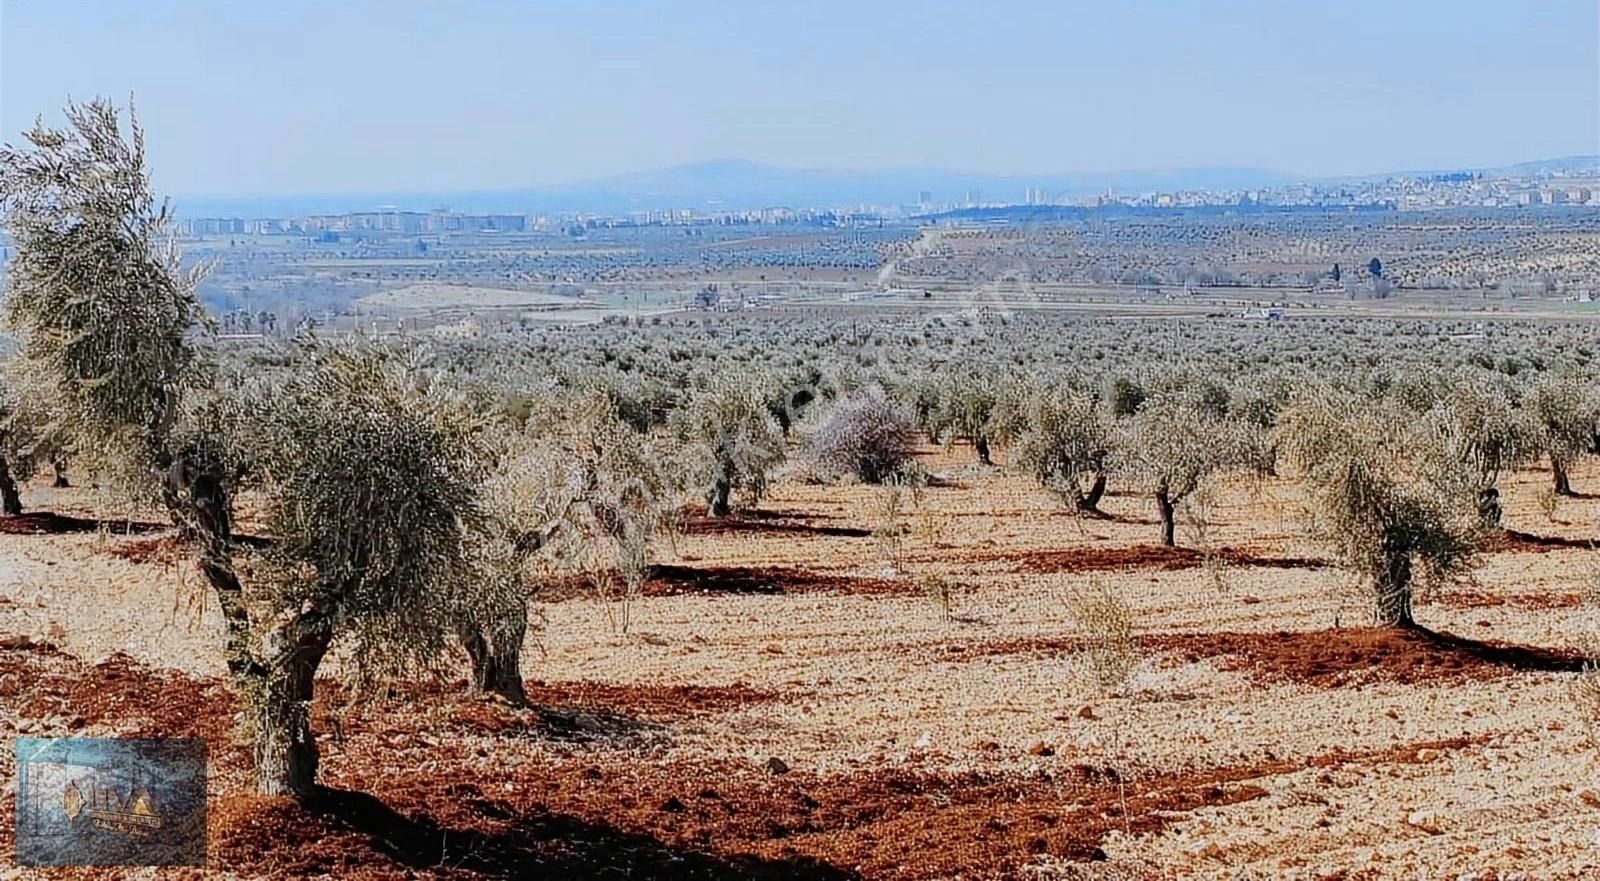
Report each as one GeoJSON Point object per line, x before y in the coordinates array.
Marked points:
{"type": "Point", "coordinates": [108, 801]}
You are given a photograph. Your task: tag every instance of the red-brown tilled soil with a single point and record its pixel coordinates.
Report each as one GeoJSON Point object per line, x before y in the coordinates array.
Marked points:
{"type": "Point", "coordinates": [784, 707]}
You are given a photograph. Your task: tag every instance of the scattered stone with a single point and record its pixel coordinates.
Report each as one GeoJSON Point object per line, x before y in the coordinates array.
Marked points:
{"type": "Point", "coordinates": [1087, 712]}
{"type": "Point", "coordinates": [777, 766]}
{"type": "Point", "coordinates": [673, 806]}
{"type": "Point", "coordinates": [1590, 798]}
{"type": "Point", "coordinates": [1426, 820]}
{"type": "Point", "coordinates": [1041, 749]}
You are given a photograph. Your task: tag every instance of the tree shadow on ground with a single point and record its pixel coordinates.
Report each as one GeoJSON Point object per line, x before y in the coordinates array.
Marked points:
{"type": "Point", "coordinates": [745, 523]}
{"type": "Point", "coordinates": [668, 578]}
{"type": "Point", "coordinates": [1499, 654]}
{"type": "Point", "coordinates": [51, 523]}
{"type": "Point", "coordinates": [1514, 538]}
{"type": "Point", "coordinates": [540, 845]}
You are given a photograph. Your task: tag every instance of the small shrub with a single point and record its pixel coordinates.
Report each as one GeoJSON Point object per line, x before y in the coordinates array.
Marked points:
{"type": "Point", "coordinates": [888, 530]}
{"type": "Point", "coordinates": [942, 591]}
{"type": "Point", "coordinates": [1549, 502]}
{"type": "Point", "coordinates": [1105, 622]}
{"type": "Point", "coordinates": [1585, 689]}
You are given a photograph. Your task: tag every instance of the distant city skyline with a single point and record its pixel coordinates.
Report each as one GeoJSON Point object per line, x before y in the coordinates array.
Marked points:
{"type": "Point", "coordinates": [354, 98]}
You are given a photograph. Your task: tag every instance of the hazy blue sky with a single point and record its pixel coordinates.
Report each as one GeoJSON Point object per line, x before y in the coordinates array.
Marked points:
{"type": "Point", "coordinates": [333, 97]}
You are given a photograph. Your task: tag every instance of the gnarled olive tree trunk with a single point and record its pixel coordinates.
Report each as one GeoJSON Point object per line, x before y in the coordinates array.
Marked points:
{"type": "Point", "coordinates": [496, 654]}
{"type": "Point", "coordinates": [10, 500]}
{"type": "Point", "coordinates": [280, 692]}
{"type": "Point", "coordinates": [59, 466]}
{"type": "Point", "coordinates": [277, 682]}
{"type": "Point", "coordinates": [981, 445]}
{"type": "Point", "coordinates": [717, 505]}
{"type": "Point", "coordinates": [1392, 589]}
{"type": "Point", "coordinates": [1089, 502]}
{"type": "Point", "coordinates": [494, 643]}
{"type": "Point", "coordinates": [1166, 506]}
{"type": "Point", "coordinates": [1563, 482]}
{"type": "Point", "coordinates": [1489, 511]}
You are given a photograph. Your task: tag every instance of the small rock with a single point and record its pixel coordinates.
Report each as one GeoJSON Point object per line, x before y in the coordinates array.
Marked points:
{"type": "Point", "coordinates": [1087, 712]}
{"type": "Point", "coordinates": [1427, 821]}
{"type": "Point", "coordinates": [987, 746]}
{"type": "Point", "coordinates": [923, 742]}
{"type": "Point", "coordinates": [776, 765]}
{"type": "Point", "coordinates": [1590, 798]}
{"type": "Point", "coordinates": [1392, 713]}
{"type": "Point", "coordinates": [1427, 755]}
{"type": "Point", "coordinates": [654, 639]}
{"type": "Point", "coordinates": [1041, 749]}
{"type": "Point", "coordinates": [1250, 600]}
{"type": "Point", "coordinates": [673, 806]}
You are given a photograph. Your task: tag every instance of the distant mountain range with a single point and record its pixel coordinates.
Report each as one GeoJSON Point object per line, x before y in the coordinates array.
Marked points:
{"type": "Point", "coordinates": [733, 185]}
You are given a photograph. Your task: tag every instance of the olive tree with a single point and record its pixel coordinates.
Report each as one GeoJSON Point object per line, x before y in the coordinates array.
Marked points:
{"type": "Point", "coordinates": [1371, 503]}
{"type": "Point", "coordinates": [732, 441]}
{"type": "Point", "coordinates": [1473, 434]}
{"type": "Point", "coordinates": [1171, 446]}
{"type": "Point", "coordinates": [31, 435]}
{"type": "Point", "coordinates": [16, 459]}
{"type": "Point", "coordinates": [1561, 414]}
{"type": "Point", "coordinates": [964, 408]}
{"type": "Point", "coordinates": [367, 477]}
{"type": "Point", "coordinates": [96, 293]}
{"type": "Point", "coordinates": [1063, 442]}
{"type": "Point", "coordinates": [612, 491]}
{"type": "Point", "coordinates": [366, 473]}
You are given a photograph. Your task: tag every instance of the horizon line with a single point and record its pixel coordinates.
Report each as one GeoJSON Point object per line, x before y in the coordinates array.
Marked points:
{"type": "Point", "coordinates": [1295, 177]}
